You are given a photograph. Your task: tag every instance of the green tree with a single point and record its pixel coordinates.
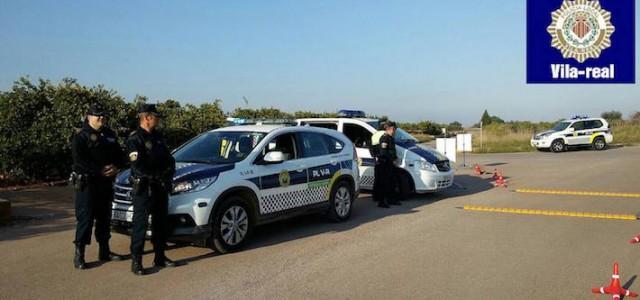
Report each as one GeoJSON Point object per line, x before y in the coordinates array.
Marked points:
{"type": "Point", "coordinates": [486, 118]}
{"type": "Point", "coordinates": [613, 115]}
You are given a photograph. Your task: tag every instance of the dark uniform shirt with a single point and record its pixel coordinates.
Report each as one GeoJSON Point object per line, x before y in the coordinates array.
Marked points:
{"type": "Point", "coordinates": [387, 148]}
{"type": "Point", "coordinates": [150, 157]}
{"type": "Point", "coordinates": [92, 150]}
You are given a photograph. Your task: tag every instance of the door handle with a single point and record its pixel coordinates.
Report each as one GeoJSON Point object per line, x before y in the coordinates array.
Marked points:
{"type": "Point", "coordinates": [301, 168]}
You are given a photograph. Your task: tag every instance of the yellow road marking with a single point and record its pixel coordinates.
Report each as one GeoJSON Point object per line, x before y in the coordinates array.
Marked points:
{"type": "Point", "coordinates": [559, 213]}
{"type": "Point", "coordinates": [579, 193]}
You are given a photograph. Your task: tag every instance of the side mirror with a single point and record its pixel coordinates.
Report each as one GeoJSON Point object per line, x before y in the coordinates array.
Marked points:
{"type": "Point", "coordinates": [571, 129]}
{"type": "Point", "coordinates": [273, 157]}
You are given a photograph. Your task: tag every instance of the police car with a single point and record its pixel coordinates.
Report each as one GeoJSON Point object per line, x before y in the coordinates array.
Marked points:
{"type": "Point", "coordinates": [232, 179]}
{"type": "Point", "coordinates": [575, 132]}
{"type": "Point", "coordinates": [421, 169]}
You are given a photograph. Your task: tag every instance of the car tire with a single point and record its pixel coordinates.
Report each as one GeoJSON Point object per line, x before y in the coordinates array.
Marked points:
{"type": "Point", "coordinates": [599, 144]}
{"type": "Point", "coordinates": [404, 186]}
{"type": "Point", "coordinates": [558, 146]}
{"type": "Point", "coordinates": [341, 200]}
{"type": "Point", "coordinates": [232, 225]}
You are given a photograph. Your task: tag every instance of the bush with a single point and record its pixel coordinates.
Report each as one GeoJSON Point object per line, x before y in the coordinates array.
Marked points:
{"type": "Point", "coordinates": [38, 120]}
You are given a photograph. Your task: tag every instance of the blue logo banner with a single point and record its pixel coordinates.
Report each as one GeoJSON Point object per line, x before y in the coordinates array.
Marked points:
{"type": "Point", "coordinates": [581, 41]}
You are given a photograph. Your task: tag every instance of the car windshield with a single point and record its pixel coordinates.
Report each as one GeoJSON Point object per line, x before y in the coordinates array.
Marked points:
{"type": "Point", "coordinates": [375, 124]}
{"type": "Point", "coordinates": [219, 147]}
{"type": "Point", "coordinates": [560, 126]}
{"type": "Point", "coordinates": [403, 136]}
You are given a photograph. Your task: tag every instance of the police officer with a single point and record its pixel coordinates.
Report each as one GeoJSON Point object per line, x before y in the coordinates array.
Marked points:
{"type": "Point", "coordinates": [97, 157]}
{"type": "Point", "coordinates": [384, 171]}
{"type": "Point", "coordinates": [152, 169]}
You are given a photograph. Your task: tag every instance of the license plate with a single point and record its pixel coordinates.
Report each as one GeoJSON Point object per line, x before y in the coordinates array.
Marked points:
{"type": "Point", "coordinates": [122, 215]}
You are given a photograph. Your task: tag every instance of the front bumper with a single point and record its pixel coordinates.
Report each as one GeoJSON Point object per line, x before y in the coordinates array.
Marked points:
{"type": "Point", "coordinates": [540, 143]}
{"type": "Point", "coordinates": [181, 227]}
{"type": "Point", "coordinates": [428, 182]}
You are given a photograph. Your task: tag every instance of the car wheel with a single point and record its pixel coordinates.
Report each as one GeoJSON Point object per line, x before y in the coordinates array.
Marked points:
{"type": "Point", "coordinates": [557, 146]}
{"type": "Point", "coordinates": [599, 143]}
{"type": "Point", "coordinates": [232, 225]}
{"type": "Point", "coordinates": [404, 186]}
{"type": "Point", "coordinates": [341, 201]}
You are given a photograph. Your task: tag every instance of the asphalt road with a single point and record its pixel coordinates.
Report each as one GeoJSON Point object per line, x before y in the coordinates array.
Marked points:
{"type": "Point", "coordinates": [426, 249]}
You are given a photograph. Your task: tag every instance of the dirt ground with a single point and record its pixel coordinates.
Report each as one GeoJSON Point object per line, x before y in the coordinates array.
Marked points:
{"type": "Point", "coordinates": [427, 248]}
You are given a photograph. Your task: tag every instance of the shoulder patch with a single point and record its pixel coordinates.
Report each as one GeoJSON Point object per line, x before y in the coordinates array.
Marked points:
{"type": "Point", "coordinates": [133, 156]}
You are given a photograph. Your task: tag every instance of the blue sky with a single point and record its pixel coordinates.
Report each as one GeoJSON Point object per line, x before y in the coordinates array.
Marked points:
{"type": "Point", "coordinates": [411, 60]}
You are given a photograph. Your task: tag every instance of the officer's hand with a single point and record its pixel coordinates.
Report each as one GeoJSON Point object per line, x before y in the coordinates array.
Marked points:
{"type": "Point", "coordinates": [110, 171]}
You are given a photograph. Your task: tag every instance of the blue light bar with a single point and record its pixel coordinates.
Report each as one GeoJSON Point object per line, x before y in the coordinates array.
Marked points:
{"type": "Point", "coordinates": [579, 117]}
{"type": "Point", "coordinates": [346, 113]}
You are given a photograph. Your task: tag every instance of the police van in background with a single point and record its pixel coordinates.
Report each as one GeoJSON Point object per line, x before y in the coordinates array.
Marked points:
{"type": "Point", "coordinates": [421, 169]}
{"type": "Point", "coordinates": [578, 131]}
{"type": "Point", "coordinates": [231, 179]}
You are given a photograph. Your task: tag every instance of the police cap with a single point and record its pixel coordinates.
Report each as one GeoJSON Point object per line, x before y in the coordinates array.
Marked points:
{"type": "Point", "coordinates": [149, 109]}
{"type": "Point", "coordinates": [97, 110]}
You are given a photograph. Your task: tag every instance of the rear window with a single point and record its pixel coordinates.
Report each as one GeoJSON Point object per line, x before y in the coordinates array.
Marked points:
{"type": "Point", "coordinates": [313, 144]}
{"type": "Point", "coordinates": [334, 145]}
{"type": "Point", "coordinates": [333, 126]}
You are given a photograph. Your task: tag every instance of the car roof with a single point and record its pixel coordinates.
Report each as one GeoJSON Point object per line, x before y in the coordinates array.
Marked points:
{"type": "Point", "coordinates": [336, 119]}
{"type": "Point", "coordinates": [582, 119]}
{"type": "Point", "coordinates": [251, 128]}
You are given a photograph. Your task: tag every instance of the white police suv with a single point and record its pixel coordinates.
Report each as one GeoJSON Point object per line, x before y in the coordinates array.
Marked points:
{"type": "Point", "coordinates": [232, 179]}
{"type": "Point", "coordinates": [421, 169]}
{"type": "Point", "coordinates": [575, 132]}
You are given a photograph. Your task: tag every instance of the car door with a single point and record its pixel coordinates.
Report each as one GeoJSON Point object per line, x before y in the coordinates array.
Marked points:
{"type": "Point", "coordinates": [361, 138]}
{"type": "Point", "coordinates": [319, 154]}
{"type": "Point", "coordinates": [579, 135]}
{"type": "Point", "coordinates": [281, 185]}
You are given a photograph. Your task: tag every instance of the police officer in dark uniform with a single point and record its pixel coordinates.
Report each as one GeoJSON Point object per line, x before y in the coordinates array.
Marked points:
{"type": "Point", "coordinates": [97, 158]}
{"type": "Point", "coordinates": [152, 170]}
{"type": "Point", "coordinates": [384, 170]}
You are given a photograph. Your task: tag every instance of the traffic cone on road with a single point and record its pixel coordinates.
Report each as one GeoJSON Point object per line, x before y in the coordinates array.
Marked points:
{"type": "Point", "coordinates": [614, 287]}
{"type": "Point", "coordinates": [500, 181]}
{"type": "Point", "coordinates": [477, 170]}
{"type": "Point", "coordinates": [635, 240]}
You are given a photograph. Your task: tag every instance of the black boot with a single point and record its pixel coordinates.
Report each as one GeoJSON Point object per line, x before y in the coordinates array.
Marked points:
{"type": "Point", "coordinates": [78, 259]}
{"type": "Point", "coordinates": [136, 265]}
{"type": "Point", "coordinates": [383, 204]}
{"type": "Point", "coordinates": [395, 202]}
{"type": "Point", "coordinates": [105, 254]}
{"type": "Point", "coordinates": [162, 261]}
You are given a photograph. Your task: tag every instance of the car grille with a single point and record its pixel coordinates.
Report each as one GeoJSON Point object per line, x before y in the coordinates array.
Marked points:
{"type": "Point", "coordinates": [444, 183]}
{"type": "Point", "coordinates": [122, 194]}
{"type": "Point", "coordinates": [443, 166]}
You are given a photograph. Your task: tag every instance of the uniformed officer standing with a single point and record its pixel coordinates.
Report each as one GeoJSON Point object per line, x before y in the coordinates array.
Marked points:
{"type": "Point", "coordinates": [152, 170]}
{"type": "Point", "coordinates": [97, 157]}
{"type": "Point", "coordinates": [384, 171]}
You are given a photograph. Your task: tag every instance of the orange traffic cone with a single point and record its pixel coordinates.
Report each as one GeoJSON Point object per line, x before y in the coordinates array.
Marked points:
{"type": "Point", "coordinates": [500, 181]}
{"type": "Point", "coordinates": [477, 170]}
{"type": "Point", "coordinates": [635, 240]}
{"type": "Point", "coordinates": [614, 287]}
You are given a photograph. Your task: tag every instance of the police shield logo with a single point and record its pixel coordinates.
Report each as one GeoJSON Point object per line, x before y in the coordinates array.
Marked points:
{"type": "Point", "coordinates": [148, 145]}
{"type": "Point", "coordinates": [284, 178]}
{"type": "Point", "coordinates": [581, 29]}
{"type": "Point", "coordinates": [133, 156]}
{"type": "Point", "coordinates": [93, 137]}
{"type": "Point", "coordinates": [580, 41]}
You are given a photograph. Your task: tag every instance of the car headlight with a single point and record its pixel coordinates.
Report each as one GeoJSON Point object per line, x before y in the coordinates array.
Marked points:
{"type": "Point", "coordinates": [193, 185]}
{"type": "Point", "coordinates": [426, 166]}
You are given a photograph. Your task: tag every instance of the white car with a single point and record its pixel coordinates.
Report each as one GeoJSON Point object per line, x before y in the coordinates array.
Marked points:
{"type": "Point", "coordinates": [230, 180]}
{"type": "Point", "coordinates": [575, 132]}
{"type": "Point", "coordinates": [421, 169]}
